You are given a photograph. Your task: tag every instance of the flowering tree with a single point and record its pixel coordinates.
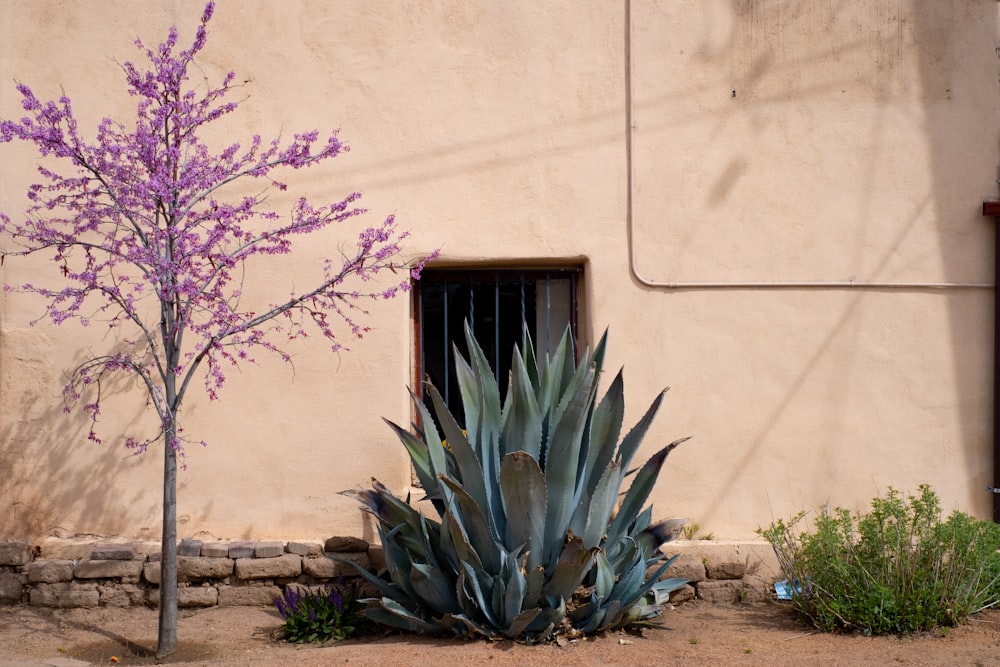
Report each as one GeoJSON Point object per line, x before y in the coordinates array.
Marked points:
{"type": "Point", "coordinates": [146, 244]}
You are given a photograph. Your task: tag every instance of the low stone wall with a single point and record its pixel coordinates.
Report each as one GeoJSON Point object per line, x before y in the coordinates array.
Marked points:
{"type": "Point", "coordinates": [92, 574]}
{"type": "Point", "coordinates": [724, 571]}
{"type": "Point", "coordinates": [82, 574]}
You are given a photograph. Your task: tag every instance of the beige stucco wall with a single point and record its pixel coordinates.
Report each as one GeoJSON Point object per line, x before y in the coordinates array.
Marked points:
{"type": "Point", "coordinates": [792, 140]}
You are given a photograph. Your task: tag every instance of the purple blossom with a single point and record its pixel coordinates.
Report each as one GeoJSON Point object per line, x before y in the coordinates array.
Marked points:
{"type": "Point", "coordinates": [144, 239]}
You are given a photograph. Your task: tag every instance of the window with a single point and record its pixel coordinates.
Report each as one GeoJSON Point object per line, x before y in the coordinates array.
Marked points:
{"type": "Point", "coordinates": [495, 303]}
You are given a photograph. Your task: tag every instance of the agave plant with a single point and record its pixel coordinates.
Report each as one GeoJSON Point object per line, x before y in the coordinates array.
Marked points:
{"type": "Point", "coordinates": [530, 539]}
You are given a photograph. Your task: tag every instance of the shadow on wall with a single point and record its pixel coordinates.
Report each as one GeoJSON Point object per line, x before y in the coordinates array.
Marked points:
{"type": "Point", "coordinates": [58, 483]}
{"type": "Point", "coordinates": [960, 60]}
{"type": "Point", "coordinates": [879, 61]}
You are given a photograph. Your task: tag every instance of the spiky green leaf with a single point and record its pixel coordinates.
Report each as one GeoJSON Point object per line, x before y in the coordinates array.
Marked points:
{"type": "Point", "coordinates": [632, 440]}
{"type": "Point", "coordinates": [524, 494]}
{"type": "Point", "coordinates": [561, 477]}
{"type": "Point", "coordinates": [421, 459]}
{"type": "Point", "coordinates": [574, 563]}
{"type": "Point", "coordinates": [433, 589]}
{"type": "Point", "coordinates": [470, 471]}
{"type": "Point", "coordinates": [639, 491]}
{"type": "Point", "coordinates": [605, 429]}
{"type": "Point", "coordinates": [475, 524]}
{"type": "Point", "coordinates": [393, 614]}
{"type": "Point", "coordinates": [601, 505]}
{"type": "Point", "coordinates": [522, 427]}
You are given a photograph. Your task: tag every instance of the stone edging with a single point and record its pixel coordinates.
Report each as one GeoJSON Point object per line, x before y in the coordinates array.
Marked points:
{"type": "Point", "coordinates": [215, 573]}
{"type": "Point", "coordinates": [254, 573]}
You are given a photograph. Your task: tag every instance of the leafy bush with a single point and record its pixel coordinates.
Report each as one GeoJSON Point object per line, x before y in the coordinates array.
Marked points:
{"type": "Point", "coordinates": [527, 542]}
{"type": "Point", "coordinates": [320, 615]}
{"type": "Point", "coordinates": [897, 569]}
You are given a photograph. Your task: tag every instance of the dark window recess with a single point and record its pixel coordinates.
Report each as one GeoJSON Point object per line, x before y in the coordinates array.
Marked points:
{"type": "Point", "coordinates": [495, 303]}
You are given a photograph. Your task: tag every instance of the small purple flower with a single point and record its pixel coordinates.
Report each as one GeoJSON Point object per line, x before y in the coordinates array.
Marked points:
{"type": "Point", "coordinates": [282, 609]}
{"type": "Point", "coordinates": [337, 599]}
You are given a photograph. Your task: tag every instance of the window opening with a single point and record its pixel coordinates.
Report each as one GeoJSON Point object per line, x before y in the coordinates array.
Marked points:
{"type": "Point", "coordinates": [495, 302]}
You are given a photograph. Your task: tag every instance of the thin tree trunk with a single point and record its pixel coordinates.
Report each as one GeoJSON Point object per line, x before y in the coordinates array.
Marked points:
{"type": "Point", "coordinates": [166, 641]}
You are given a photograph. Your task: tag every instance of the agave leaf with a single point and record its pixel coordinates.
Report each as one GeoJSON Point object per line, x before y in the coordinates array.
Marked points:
{"type": "Point", "coordinates": [603, 616]}
{"type": "Point", "coordinates": [435, 448]}
{"type": "Point", "coordinates": [561, 479]}
{"type": "Point", "coordinates": [393, 614]}
{"type": "Point", "coordinates": [514, 591]}
{"type": "Point", "coordinates": [440, 552]}
{"type": "Point", "coordinates": [550, 381]}
{"type": "Point", "coordinates": [384, 587]}
{"type": "Point", "coordinates": [598, 513]}
{"type": "Point", "coordinates": [641, 615]}
{"type": "Point", "coordinates": [454, 534]}
{"type": "Point", "coordinates": [597, 359]}
{"type": "Point", "coordinates": [582, 376]}
{"type": "Point", "coordinates": [632, 593]}
{"type": "Point", "coordinates": [569, 367]}
{"type": "Point", "coordinates": [475, 524]}
{"type": "Point", "coordinates": [466, 598]}
{"type": "Point", "coordinates": [639, 491]}
{"type": "Point", "coordinates": [521, 622]}
{"type": "Point", "coordinates": [655, 536]}
{"type": "Point", "coordinates": [397, 562]}
{"type": "Point", "coordinates": [433, 590]}
{"type": "Point", "coordinates": [487, 388]}
{"type": "Point", "coordinates": [522, 486]}
{"type": "Point", "coordinates": [530, 362]}
{"type": "Point", "coordinates": [488, 443]}
{"type": "Point", "coordinates": [574, 564]}
{"type": "Point", "coordinates": [662, 589]}
{"type": "Point", "coordinates": [470, 472]}
{"type": "Point", "coordinates": [446, 546]}
{"type": "Point", "coordinates": [629, 582]}
{"type": "Point", "coordinates": [643, 521]}
{"type": "Point", "coordinates": [591, 620]}
{"type": "Point", "coordinates": [471, 629]}
{"type": "Point", "coordinates": [546, 621]}
{"type": "Point", "coordinates": [465, 556]}
{"type": "Point", "coordinates": [632, 440]}
{"type": "Point", "coordinates": [472, 402]}
{"type": "Point", "coordinates": [389, 510]}
{"type": "Point", "coordinates": [522, 426]}
{"type": "Point", "coordinates": [605, 580]}
{"type": "Point", "coordinates": [471, 581]}
{"type": "Point", "coordinates": [498, 595]}
{"type": "Point", "coordinates": [535, 582]}
{"type": "Point", "coordinates": [621, 552]}
{"type": "Point", "coordinates": [421, 459]}
{"type": "Point", "coordinates": [605, 428]}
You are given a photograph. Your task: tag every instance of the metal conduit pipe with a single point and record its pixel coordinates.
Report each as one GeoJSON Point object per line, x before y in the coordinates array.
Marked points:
{"type": "Point", "coordinates": [708, 284]}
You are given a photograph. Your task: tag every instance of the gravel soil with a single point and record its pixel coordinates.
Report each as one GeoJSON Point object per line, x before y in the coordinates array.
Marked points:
{"type": "Point", "coordinates": [694, 633]}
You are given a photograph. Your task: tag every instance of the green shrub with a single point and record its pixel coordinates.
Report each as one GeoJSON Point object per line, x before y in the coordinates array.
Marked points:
{"type": "Point", "coordinates": [899, 568]}
{"type": "Point", "coordinates": [332, 612]}
{"type": "Point", "coordinates": [529, 540]}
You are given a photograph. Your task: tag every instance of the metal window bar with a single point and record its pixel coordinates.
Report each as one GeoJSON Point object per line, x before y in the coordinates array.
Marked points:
{"type": "Point", "coordinates": [447, 348]}
{"type": "Point", "coordinates": [524, 331]}
{"type": "Point", "coordinates": [496, 324]}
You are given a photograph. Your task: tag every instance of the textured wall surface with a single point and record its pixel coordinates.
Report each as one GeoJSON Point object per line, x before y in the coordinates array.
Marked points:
{"type": "Point", "coordinates": [782, 141]}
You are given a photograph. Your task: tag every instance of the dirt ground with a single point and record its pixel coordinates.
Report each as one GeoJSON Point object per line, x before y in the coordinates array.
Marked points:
{"type": "Point", "coordinates": [694, 634]}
